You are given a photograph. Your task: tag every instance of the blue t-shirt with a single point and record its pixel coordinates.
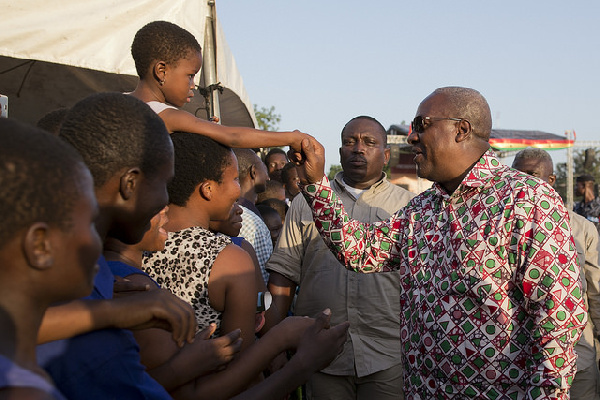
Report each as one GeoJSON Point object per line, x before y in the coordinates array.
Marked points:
{"type": "Point", "coordinates": [13, 376]}
{"type": "Point", "coordinates": [119, 268]}
{"type": "Point", "coordinates": [103, 364]}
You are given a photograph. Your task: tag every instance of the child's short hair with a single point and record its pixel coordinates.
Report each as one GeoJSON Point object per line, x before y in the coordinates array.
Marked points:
{"type": "Point", "coordinates": [40, 178]}
{"type": "Point", "coordinates": [197, 159]}
{"type": "Point", "coordinates": [52, 121]}
{"type": "Point", "coordinates": [277, 205]}
{"type": "Point", "coordinates": [161, 40]}
{"type": "Point", "coordinates": [113, 131]}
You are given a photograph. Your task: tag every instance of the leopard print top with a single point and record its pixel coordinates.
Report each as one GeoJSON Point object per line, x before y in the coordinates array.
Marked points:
{"type": "Point", "coordinates": [184, 268]}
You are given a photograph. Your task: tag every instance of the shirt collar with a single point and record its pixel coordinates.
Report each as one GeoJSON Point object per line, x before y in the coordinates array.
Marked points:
{"type": "Point", "coordinates": [339, 178]}
{"type": "Point", "coordinates": [479, 176]}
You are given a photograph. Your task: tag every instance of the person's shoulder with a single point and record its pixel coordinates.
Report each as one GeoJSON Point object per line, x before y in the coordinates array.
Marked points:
{"type": "Point", "coordinates": [159, 107]}
{"type": "Point", "coordinates": [400, 192]}
{"type": "Point", "coordinates": [581, 223]}
{"type": "Point", "coordinates": [235, 259]}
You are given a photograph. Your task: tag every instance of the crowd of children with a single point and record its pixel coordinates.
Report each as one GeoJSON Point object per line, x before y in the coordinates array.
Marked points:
{"type": "Point", "coordinates": [158, 315]}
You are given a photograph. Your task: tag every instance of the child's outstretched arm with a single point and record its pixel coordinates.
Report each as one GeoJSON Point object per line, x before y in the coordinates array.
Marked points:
{"type": "Point", "coordinates": [241, 137]}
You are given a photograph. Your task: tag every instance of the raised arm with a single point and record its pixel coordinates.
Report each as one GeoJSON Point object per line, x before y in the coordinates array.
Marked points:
{"type": "Point", "coordinates": [240, 137]}
{"type": "Point", "coordinates": [359, 246]}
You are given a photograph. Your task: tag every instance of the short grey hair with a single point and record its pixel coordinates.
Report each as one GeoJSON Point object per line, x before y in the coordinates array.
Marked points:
{"type": "Point", "coordinates": [471, 105]}
{"type": "Point", "coordinates": [535, 153]}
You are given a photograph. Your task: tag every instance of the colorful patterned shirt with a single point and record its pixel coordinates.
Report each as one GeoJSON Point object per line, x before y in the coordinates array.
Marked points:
{"type": "Point", "coordinates": [490, 289]}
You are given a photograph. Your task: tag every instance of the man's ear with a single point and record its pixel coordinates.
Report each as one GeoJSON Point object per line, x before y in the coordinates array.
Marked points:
{"type": "Point", "coordinates": [205, 190]}
{"type": "Point", "coordinates": [464, 130]}
{"type": "Point", "coordinates": [552, 179]}
{"type": "Point", "coordinates": [386, 155]}
{"type": "Point", "coordinates": [129, 182]}
{"type": "Point", "coordinates": [159, 71]}
{"type": "Point", "coordinates": [37, 246]}
{"type": "Point", "coordinates": [252, 172]}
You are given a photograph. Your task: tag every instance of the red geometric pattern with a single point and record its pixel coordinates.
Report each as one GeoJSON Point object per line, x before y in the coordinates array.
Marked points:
{"type": "Point", "coordinates": [490, 287]}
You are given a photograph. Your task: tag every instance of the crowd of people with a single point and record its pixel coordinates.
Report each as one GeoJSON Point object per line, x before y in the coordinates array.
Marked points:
{"type": "Point", "coordinates": [150, 254]}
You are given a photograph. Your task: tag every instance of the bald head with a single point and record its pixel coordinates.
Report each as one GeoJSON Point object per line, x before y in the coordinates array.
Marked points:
{"type": "Point", "coordinates": [471, 105]}
{"type": "Point", "coordinates": [535, 162]}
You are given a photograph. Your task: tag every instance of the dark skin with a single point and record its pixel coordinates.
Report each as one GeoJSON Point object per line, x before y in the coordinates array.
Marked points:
{"type": "Point", "coordinates": [444, 153]}
{"type": "Point", "coordinates": [125, 201]}
{"type": "Point", "coordinates": [43, 264]}
{"type": "Point", "coordinates": [585, 189]}
{"type": "Point", "coordinates": [363, 153]}
{"type": "Point", "coordinates": [536, 167]}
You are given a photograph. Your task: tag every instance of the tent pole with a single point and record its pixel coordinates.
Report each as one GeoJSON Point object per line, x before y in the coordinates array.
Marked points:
{"type": "Point", "coordinates": [570, 172]}
{"type": "Point", "coordinates": [210, 65]}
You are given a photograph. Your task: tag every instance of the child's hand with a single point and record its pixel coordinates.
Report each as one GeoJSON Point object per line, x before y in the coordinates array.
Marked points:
{"type": "Point", "coordinates": [218, 352]}
{"type": "Point", "coordinates": [310, 161]}
{"type": "Point", "coordinates": [296, 143]}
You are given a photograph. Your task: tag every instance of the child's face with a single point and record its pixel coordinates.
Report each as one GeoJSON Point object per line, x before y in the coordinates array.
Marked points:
{"type": "Point", "coordinates": [179, 79]}
{"type": "Point", "coordinates": [231, 226]}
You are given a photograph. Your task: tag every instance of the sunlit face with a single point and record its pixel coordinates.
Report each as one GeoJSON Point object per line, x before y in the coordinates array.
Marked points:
{"type": "Point", "coordinates": [232, 225]}
{"type": "Point", "coordinates": [435, 148]}
{"type": "Point", "coordinates": [77, 249]}
{"type": "Point", "coordinates": [179, 79]}
{"type": "Point", "coordinates": [226, 192]}
{"type": "Point", "coordinates": [363, 153]}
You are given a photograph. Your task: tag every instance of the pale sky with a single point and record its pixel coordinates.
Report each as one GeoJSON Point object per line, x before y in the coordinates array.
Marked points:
{"type": "Point", "coordinates": [320, 63]}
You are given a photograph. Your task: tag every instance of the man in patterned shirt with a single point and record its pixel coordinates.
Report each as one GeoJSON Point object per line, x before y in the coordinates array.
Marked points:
{"type": "Point", "coordinates": [537, 162]}
{"type": "Point", "coordinates": [491, 302]}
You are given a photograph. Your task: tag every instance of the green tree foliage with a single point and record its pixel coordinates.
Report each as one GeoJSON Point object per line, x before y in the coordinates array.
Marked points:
{"type": "Point", "coordinates": [334, 169]}
{"type": "Point", "coordinates": [267, 118]}
{"type": "Point", "coordinates": [584, 162]}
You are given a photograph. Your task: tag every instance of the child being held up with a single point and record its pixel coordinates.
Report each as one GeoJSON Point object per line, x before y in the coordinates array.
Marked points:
{"type": "Point", "coordinates": [167, 58]}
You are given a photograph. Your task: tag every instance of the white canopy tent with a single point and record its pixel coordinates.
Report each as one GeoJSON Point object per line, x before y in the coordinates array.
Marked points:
{"type": "Point", "coordinates": [53, 53]}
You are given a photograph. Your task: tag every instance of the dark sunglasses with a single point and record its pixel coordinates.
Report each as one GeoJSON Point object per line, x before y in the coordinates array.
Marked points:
{"type": "Point", "coordinates": [418, 124]}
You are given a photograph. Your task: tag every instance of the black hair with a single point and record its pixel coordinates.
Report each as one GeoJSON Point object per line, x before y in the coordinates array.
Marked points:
{"type": "Point", "coordinates": [114, 131]}
{"type": "Point", "coordinates": [271, 188]}
{"type": "Point", "coordinates": [380, 127]}
{"type": "Point", "coordinates": [161, 41]}
{"type": "Point", "coordinates": [585, 178]}
{"type": "Point", "coordinates": [197, 159]}
{"type": "Point", "coordinates": [275, 204]}
{"type": "Point", "coordinates": [246, 159]}
{"type": "Point", "coordinates": [40, 177]}
{"type": "Point", "coordinates": [286, 171]}
{"type": "Point", "coordinates": [52, 121]}
{"type": "Point", "coordinates": [274, 150]}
